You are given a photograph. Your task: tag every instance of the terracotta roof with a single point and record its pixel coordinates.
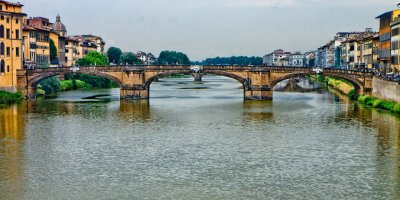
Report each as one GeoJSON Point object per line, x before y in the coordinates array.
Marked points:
{"type": "Point", "coordinates": [10, 3]}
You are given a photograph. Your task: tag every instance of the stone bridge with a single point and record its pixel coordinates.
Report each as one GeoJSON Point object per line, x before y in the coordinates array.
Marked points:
{"type": "Point", "coordinates": [258, 81]}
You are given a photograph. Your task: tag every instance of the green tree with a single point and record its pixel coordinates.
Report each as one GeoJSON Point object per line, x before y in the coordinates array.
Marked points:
{"type": "Point", "coordinates": [93, 58]}
{"type": "Point", "coordinates": [234, 60]}
{"type": "Point", "coordinates": [130, 59]}
{"type": "Point", "coordinates": [50, 85]}
{"type": "Point", "coordinates": [53, 51]}
{"type": "Point", "coordinates": [173, 57]}
{"type": "Point", "coordinates": [114, 55]}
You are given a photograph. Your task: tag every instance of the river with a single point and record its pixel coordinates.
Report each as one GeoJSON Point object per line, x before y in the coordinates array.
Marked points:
{"type": "Point", "coordinates": [198, 141]}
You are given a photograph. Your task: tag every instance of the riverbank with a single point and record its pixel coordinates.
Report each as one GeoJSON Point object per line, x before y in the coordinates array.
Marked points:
{"type": "Point", "coordinates": [7, 98]}
{"type": "Point", "coordinates": [348, 89]}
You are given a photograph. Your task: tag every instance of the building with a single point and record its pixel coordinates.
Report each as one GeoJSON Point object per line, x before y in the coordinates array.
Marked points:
{"type": "Point", "coordinates": [369, 51]}
{"type": "Point", "coordinates": [395, 44]}
{"type": "Point", "coordinates": [59, 27]}
{"type": "Point", "coordinates": [57, 33]}
{"type": "Point", "coordinates": [36, 47]}
{"type": "Point", "coordinates": [11, 39]}
{"type": "Point", "coordinates": [358, 50]}
{"type": "Point", "coordinates": [275, 58]}
{"type": "Point", "coordinates": [351, 53]}
{"type": "Point", "coordinates": [385, 21]}
{"type": "Point", "coordinates": [322, 56]}
{"type": "Point", "coordinates": [85, 46]}
{"type": "Point", "coordinates": [310, 59]}
{"type": "Point", "coordinates": [146, 58]}
{"type": "Point", "coordinates": [79, 46]}
{"type": "Point", "coordinates": [71, 51]}
{"type": "Point", "coordinates": [97, 40]}
{"type": "Point", "coordinates": [296, 59]}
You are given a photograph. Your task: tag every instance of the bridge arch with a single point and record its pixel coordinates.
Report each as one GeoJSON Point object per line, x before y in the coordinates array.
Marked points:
{"type": "Point", "coordinates": [359, 86]}
{"type": "Point", "coordinates": [244, 81]}
{"type": "Point", "coordinates": [34, 81]}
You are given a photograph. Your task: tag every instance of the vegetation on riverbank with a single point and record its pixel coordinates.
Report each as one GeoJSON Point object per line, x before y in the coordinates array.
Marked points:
{"type": "Point", "coordinates": [7, 98]}
{"type": "Point", "coordinates": [348, 89]}
{"type": "Point", "coordinates": [379, 103]}
{"type": "Point", "coordinates": [341, 85]}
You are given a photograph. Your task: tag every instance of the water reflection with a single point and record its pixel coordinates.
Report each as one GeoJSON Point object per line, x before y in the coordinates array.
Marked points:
{"type": "Point", "coordinates": [135, 110]}
{"type": "Point", "coordinates": [205, 143]}
{"type": "Point", "coordinates": [12, 124]}
{"type": "Point", "coordinates": [258, 111]}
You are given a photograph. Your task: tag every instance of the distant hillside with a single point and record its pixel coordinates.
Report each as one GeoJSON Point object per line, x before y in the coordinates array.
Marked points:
{"type": "Point", "coordinates": [234, 60]}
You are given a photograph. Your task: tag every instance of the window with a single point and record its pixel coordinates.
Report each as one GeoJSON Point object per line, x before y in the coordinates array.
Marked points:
{"type": "Point", "coordinates": [395, 60]}
{"type": "Point", "coordinates": [17, 51]}
{"type": "Point", "coordinates": [16, 33]}
{"type": "Point", "coordinates": [8, 33]}
{"type": "Point", "coordinates": [8, 68]}
{"type": "Point", "coordinates": [2, 49]}
{"type": "Point", "coordinates": [16, 21]}
{"type": "Point", "coordinates": [2, 66]}
{"type": "Point", "coordinates": [8, 20]}
{"type": "Point", "coordinates": [1, 7]}
{"type": "Point", "coordinates": [1, 31]}
{"type": "Point", "coordinates": [8, 51]}
{"type": "Point", "coordinates": [66, 50]}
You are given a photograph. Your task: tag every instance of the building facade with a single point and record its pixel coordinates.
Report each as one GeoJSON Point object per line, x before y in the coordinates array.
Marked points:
{"type": "Point", "coordinates": [57, 32]}
{"type": "Point", "coordinates": [11, 39]}
{"type": "Point", "coordinates": [296, 59]}
{"type": "Point", "coordinates": [36, 47]}
{"type": "Point", "coordinates": [276, 58]}
{"type": "Point", "coordinates": [385, 41]}
{"type": "Point", "coordinates": [71, 51]}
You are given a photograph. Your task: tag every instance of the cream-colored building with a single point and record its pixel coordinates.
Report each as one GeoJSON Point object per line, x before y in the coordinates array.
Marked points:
{"type": "Point", "coordinates": [71, 51]}
{"type": "Point", "coordinates": [11, 36]}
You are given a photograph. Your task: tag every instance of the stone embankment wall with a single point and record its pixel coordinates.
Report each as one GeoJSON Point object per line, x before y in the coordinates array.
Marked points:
{"type": "Point", "coordinates": [386, 90]}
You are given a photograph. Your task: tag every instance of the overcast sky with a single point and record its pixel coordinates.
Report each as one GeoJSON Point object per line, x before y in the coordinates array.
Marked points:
{"type": "Point", "coordinates": [209, 28]}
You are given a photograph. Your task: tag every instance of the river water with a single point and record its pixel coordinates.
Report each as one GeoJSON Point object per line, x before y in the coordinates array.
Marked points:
{"type": "Point", "coordinates": [199, 141]}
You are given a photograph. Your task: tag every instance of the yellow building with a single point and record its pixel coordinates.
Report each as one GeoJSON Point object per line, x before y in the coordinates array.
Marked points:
{"type": "Point", "coordinates": [395, 44]}
{"type": "Point", "coordinates": [385, 21]}
{"type": "Point", "coordinates": [57, 33]}
{"type": "Point", "coordinates": [36, 47]}
{"type": "Point", "coordinates": [11, 20]}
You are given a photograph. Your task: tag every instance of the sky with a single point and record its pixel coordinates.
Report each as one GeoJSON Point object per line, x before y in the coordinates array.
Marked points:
{"type": "Point", "coordinates": [210, 28]}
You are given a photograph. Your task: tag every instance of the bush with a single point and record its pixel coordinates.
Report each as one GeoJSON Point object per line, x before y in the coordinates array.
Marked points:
{"type": "Point", "coordinates": [10, 98]}
{"type": "Point", "coordinates": [352, 95]}
{"type": "Point", "coordinates": [396, 108]}
{"type": "Point", "coordinates": [73, 85]}
{"type": "Point", "coordinates": [380, 104]}
{"type": "Point", "coordinates": [50, 85]}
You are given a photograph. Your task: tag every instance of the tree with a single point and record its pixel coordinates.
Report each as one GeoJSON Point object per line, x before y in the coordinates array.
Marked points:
{"type": "Point", "coordinates": [50, 85]}
{"type": "Point", "coordinates": [53, 52]}
{"type": "Point", "coordinates": [114, 55]}
{"type": "Point", "coordinates": [130, 59]}
{"type": "Point", "coordinates": [234, 60]}
{"type": "Point", "coordinates": [173, 57]}
{"type": "Point", "coordinates": [93, 58]}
